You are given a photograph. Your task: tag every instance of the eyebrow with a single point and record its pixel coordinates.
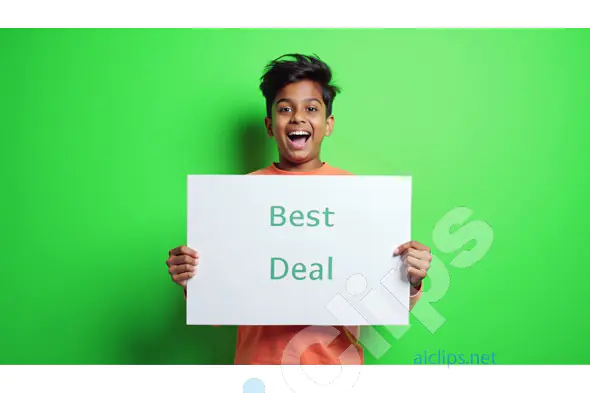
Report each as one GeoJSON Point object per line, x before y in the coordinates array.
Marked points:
{"type": "Point", "coordinates": [306, 100]}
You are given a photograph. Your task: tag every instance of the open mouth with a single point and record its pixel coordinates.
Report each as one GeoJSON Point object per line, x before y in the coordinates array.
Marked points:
{"type": "Point", "coordinates": [299, 138]}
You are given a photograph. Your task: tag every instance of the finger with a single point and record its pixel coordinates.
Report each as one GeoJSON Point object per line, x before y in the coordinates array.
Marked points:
{"type": "Point", "coordinates": [416, 274]}
{"type": "Point", "coordinates": [421, 264]}
{"type": "Point", "coordinates": [425, 255]}
{"type": "Point", "coordinates": [182, 260]}
{"type": "Point", "coordinates": [183, 250]}
{"type": "Point", "coordinates": [179, 278]}
{"type": "Point", "coordinates": [420, 254]}
{"type": "Point", "coordinates": [411, 244]}
{"type": "Point", "coordinates": [179, 269]}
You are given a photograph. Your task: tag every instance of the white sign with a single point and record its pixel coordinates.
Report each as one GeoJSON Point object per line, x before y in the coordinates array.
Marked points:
{"type": "Point", "coordinates": [298, 250]}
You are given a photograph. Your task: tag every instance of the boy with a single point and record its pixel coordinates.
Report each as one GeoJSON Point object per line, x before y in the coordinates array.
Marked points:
{"type": "Point", "coordinates": [299, 97]}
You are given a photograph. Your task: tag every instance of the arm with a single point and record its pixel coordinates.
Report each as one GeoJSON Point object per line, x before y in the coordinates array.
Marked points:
{"type": "Point", "coordinates": [416, 257]}
{"type": "Point", "coordinates": [415, 294]}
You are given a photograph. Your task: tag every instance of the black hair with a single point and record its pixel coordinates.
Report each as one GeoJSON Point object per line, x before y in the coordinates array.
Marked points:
{"type": "Point", "coordinates": [280, 72]}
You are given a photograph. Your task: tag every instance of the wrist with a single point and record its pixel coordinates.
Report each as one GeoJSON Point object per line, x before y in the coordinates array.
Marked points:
{"type": "Point", "coordinates": [415, 287]}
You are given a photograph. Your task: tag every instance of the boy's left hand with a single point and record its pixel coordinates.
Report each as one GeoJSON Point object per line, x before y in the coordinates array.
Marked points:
{"type": "Point", "coordinates": [417, 257]}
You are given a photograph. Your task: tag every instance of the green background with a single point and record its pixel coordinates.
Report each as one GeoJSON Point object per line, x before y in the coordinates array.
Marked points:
{"type": "Point", "coordinates": [99, 129]}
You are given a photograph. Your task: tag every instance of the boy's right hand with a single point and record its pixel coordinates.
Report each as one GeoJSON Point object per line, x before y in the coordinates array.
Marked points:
{"type": "Point", "coordinates": [182, 263]}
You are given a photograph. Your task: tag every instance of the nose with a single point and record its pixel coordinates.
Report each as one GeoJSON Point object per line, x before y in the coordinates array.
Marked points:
{"type": "Point", "coordinates": [298, 117]}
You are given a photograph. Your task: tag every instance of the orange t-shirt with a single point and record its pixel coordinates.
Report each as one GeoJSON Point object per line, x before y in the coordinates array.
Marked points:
{"type": "Point", "coordinates": [307, 345]}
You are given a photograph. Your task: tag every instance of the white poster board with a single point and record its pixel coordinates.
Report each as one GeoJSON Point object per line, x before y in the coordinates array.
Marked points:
{"type": "Point", "coordinates": [298, 250]}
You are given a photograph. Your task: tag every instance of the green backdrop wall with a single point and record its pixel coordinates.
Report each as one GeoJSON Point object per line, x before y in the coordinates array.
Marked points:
{"type": "Point", "coordinates": [99, 129]}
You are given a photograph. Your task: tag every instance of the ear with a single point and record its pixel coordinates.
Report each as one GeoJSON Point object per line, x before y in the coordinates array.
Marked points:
{"type": "Point", "coordinates": [329, 125]}
{"type": "Point", "coordinates": [268, 126]}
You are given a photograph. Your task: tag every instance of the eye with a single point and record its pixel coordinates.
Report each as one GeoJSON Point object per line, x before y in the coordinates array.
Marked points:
{"type": "Point", "coordinates": [284, 109]}
{"type": "Point", "coordinates": [312, 109]}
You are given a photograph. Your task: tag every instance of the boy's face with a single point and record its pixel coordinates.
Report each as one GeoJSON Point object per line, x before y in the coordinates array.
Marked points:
{"type": "Point", "coordinates": [299, 122]}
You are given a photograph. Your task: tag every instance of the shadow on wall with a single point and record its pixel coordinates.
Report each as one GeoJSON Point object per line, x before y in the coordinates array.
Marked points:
{"type": "Point", "coordinates": [147, 341]}
{"type": "Point", "coordinates": [254, 144]}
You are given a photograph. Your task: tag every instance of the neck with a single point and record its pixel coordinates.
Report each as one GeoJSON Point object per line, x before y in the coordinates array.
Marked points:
{"type": "Point", "coordinates": [308, 166]}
